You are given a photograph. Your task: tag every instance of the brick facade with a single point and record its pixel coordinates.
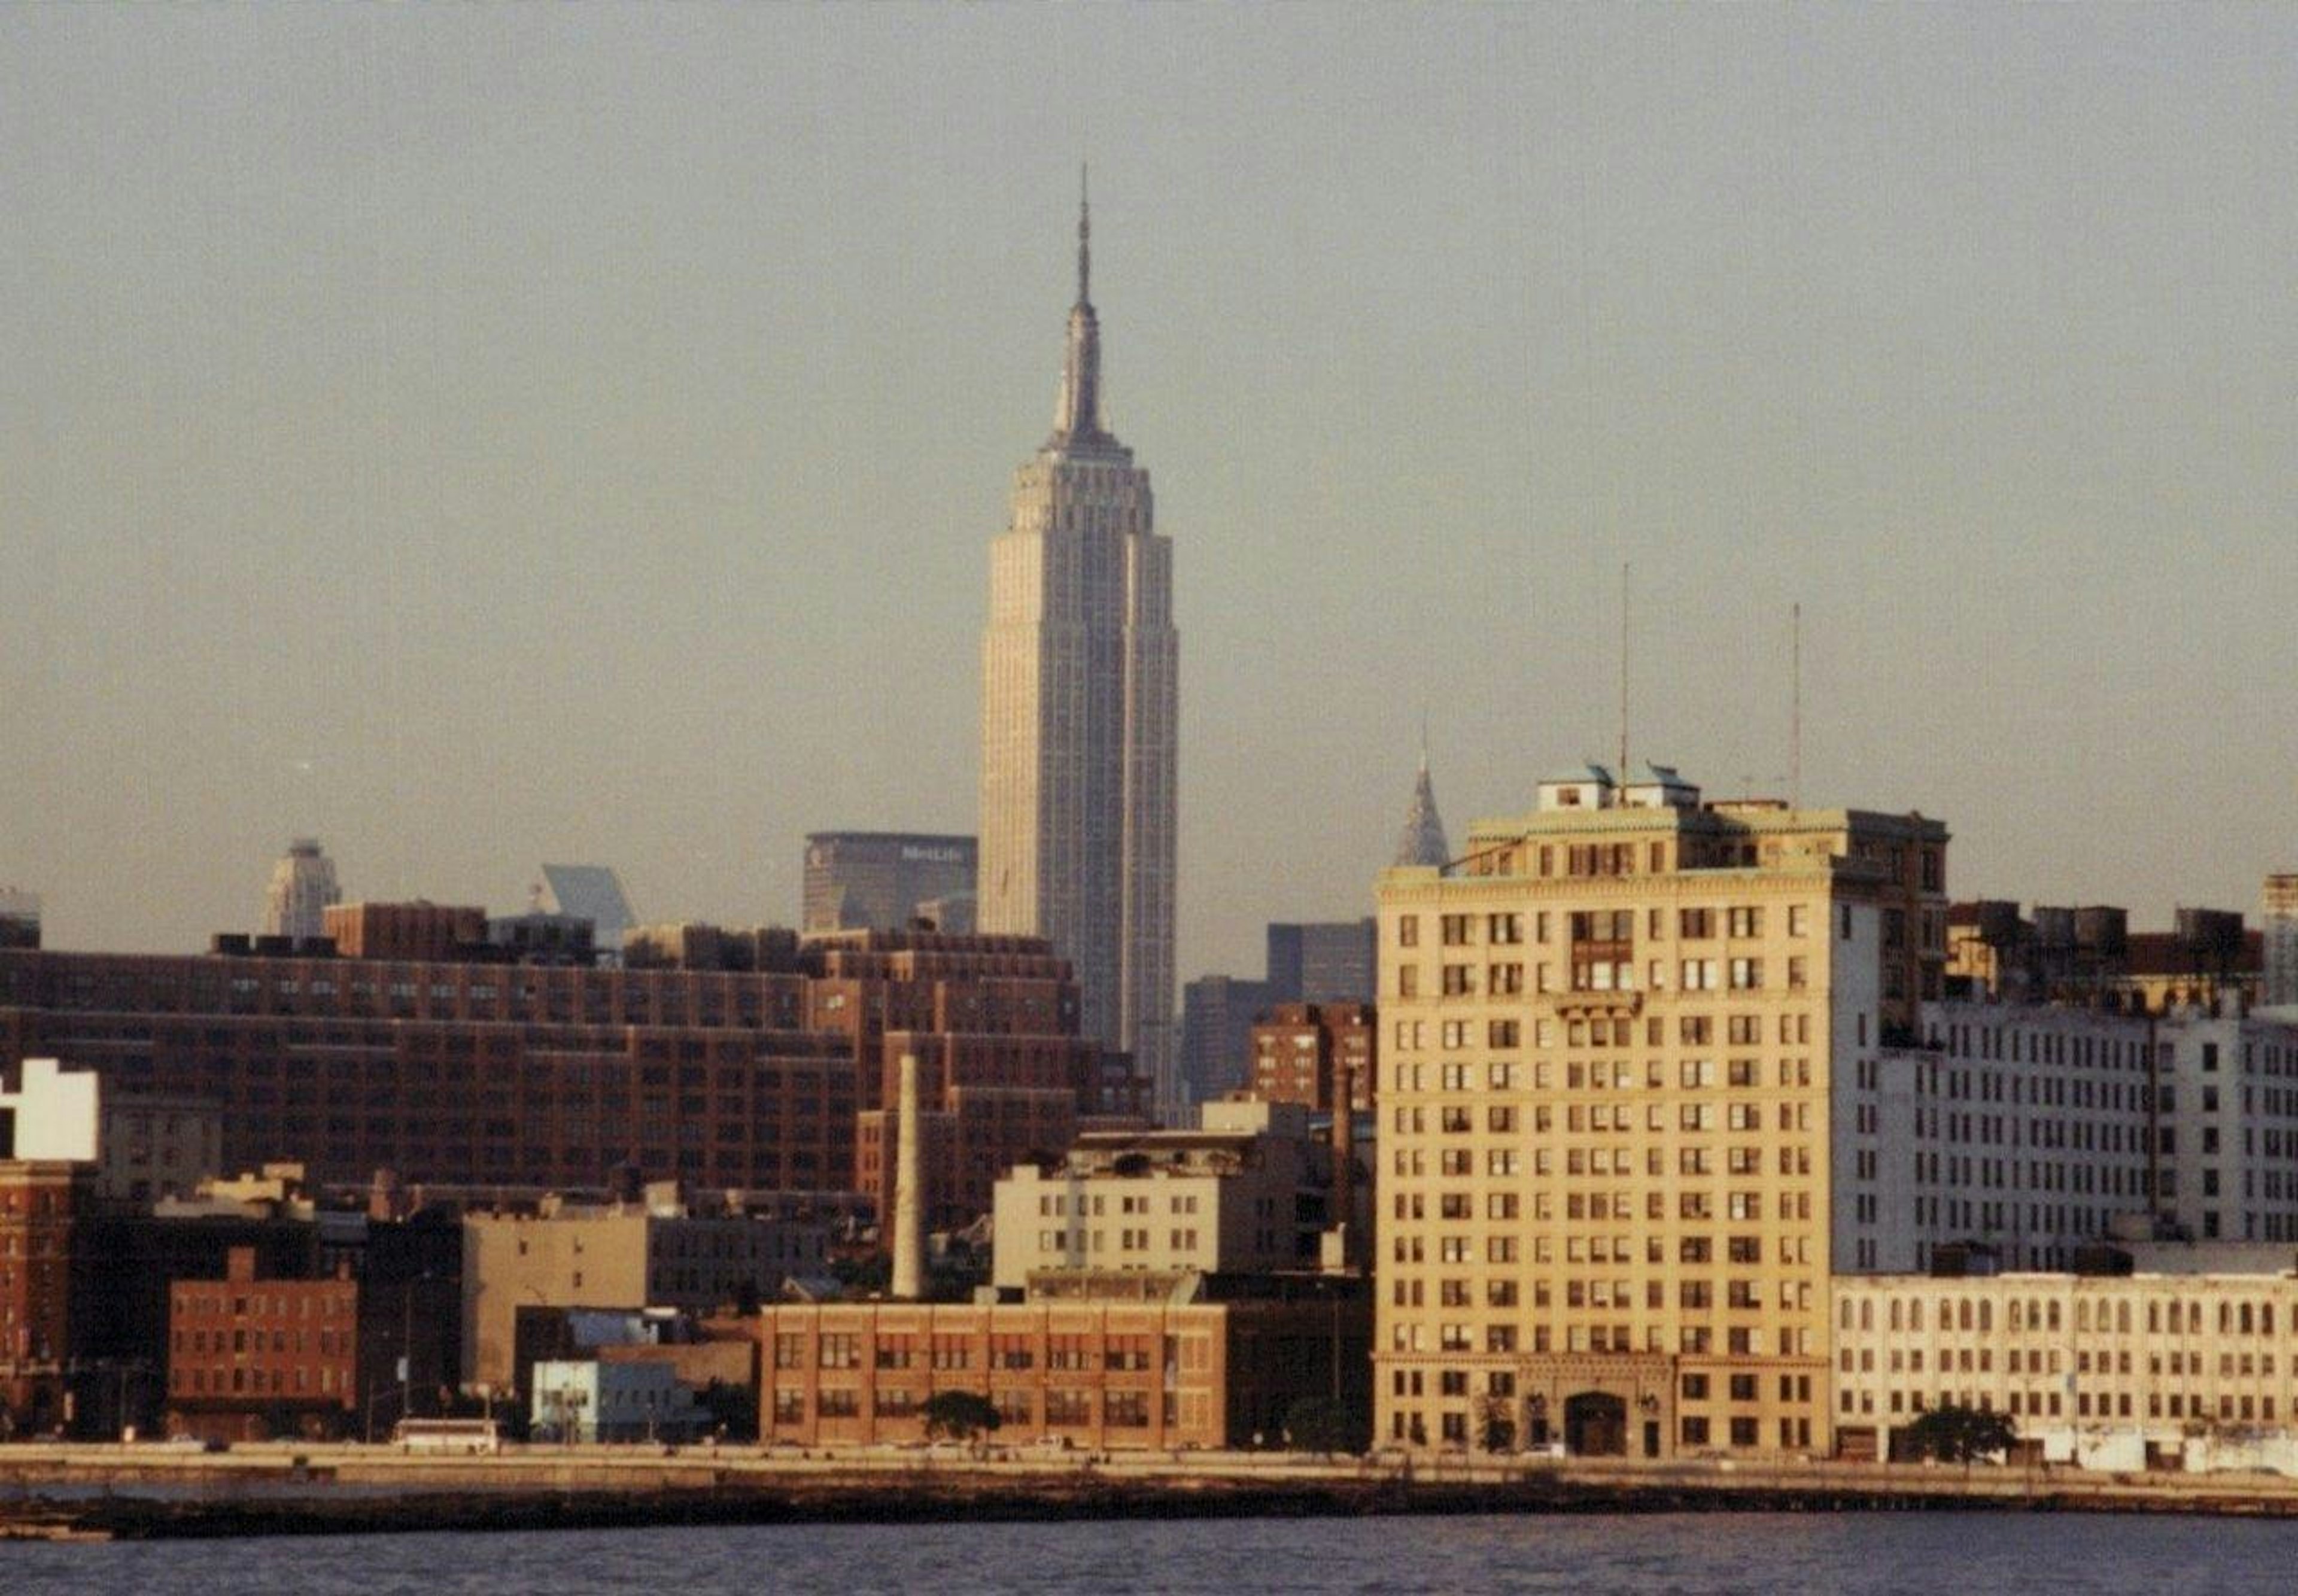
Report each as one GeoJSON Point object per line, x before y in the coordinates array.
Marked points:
{"type": "Point", "coordinates": [249, 1359]}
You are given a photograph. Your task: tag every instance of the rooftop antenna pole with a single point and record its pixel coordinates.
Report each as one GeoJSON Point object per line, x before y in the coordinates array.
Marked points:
{"type": "Point", "coordinates": [1624, 674]}
{"type": "Point", "coordinates": [1794, 725]}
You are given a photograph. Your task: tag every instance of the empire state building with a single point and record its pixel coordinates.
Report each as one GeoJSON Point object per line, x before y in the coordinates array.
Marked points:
{"type": "Point", "coordinates": [1078, 716]}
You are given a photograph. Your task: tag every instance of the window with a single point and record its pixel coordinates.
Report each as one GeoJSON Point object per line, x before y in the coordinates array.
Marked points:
{"type": "Point", "coordinates": [839, 1351]}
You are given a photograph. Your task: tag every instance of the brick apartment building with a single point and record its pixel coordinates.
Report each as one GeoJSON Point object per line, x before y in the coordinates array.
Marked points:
{"type": "Point", "coordinates": [487, 1072]}
{"type": "Point", "coordinates": [253, 1358]}
{"type": "Point", "coordinates": [38, 1202]}
{"type": "Point", "coordinates": [988, 1104]}
{"type": "Point", "coordinates": [1313, 1054]}
{"type": "Point", "coordinates": [1169, 1368]}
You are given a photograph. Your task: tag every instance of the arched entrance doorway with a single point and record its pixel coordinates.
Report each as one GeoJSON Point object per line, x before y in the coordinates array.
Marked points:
{"type": "Point", "coordinates": [1595, 1424]}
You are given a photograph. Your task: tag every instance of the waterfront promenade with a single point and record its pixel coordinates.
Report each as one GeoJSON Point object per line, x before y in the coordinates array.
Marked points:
{"type": "Point", "coordinates": [160, 1490]}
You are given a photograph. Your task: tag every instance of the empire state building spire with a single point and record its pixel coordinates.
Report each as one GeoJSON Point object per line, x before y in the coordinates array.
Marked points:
{"type": "Point", "coordinates": [1077, 415]}
{"type": "Point", "coordinates": [1084, 241]}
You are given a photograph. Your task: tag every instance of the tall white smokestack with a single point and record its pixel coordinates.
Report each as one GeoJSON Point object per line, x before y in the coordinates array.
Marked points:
{"type": "Point", "coordinates": [909, 1190]}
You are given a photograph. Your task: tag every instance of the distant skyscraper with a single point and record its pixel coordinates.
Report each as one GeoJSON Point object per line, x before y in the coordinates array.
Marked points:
{"type": "Point", "coordinates": [1217, 1016]}
{"type": "Point", "coordinates": [591, 892]}
{"type": "Point", "coordinates": [882, 881]}
{"type": "Point", "coordinates": [1422, 841]}
{"type": "Point", "coordinates": [2280, 983]}
{"type": "Point", "coordinates": [1078, 718]}
{"type": "Point", "coordinates": [1332, 961]}
{"type": "Point", "coordinates": [19, 918]}
{"type": "Point", "coordinates": [302, 889]}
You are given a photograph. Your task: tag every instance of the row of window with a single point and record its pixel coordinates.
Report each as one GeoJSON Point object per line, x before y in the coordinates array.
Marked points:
{"type": "Point", "coordinates": [1691, 1030]}
{"type": "Point", "coordinates": [1063, 1408]}
{"type": "Point", "coordinates": [1508, 928]}
{"type": "Point", "coordinates": [1058, 1207]}
{"type": "Point", "coordinates": [328, 1342]}
{"type": "Point", "coordinates": [256, 1382]}
{"type": "Point", "coordinates": [1691, 1250]}
{"type": "Point", "coordinates": [1128, 1240]}
{"type": "Point", "coordinates": [1691, 1296]}
{"type": "Point", "coordinates": [301, 1304]}
{"type": "Point", "coordinates": [1740, 1341]}
{"type": "Point", "coordinates": [1067, 1350]}
{"type": "Point", "coordinates": [1598, 974]}
{"type": "Point", "coordinates": [2171, 1316]}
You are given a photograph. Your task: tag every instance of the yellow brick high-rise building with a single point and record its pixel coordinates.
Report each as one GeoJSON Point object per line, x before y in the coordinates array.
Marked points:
{"type": "Point", "coordinates": [1614, 1026]}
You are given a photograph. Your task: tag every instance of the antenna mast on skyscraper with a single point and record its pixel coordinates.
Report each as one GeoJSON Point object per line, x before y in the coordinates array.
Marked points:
{"type": "Point", "coordinates": [1795, 723]}
{"type": "Point", "coordinates": [1624, 674]}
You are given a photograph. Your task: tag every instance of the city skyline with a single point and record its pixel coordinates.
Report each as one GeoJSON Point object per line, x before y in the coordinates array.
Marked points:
{"type": "Point", "coordinates": [393, 414]}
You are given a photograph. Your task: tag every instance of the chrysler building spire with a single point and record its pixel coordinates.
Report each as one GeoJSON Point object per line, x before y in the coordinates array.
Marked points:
{"type": "Point", "coordinates": [1077, 415]}
{"type": "Point", "coordinates": [1422, 840]}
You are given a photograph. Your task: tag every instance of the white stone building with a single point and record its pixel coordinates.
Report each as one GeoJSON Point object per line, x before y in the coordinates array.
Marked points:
{"type": "Point", "coordinates": [2121, 1372]}
{"type": "Point", "coordinates": [2034, 1129]}
{"type": "Point", "coordinates": [2278, 986]}
{"type": "Point", "coordinates": [581, 1401]}
{"type": "Point", "coordinates": [1245, 1193]}
{"type": "Point", "coordinates": [304, 887]}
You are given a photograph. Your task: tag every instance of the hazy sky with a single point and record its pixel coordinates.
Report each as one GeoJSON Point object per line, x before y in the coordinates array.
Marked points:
{"type": "Point", "coordinates": [478, 435]}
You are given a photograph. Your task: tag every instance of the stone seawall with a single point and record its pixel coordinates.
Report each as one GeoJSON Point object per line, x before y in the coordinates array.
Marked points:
{"type": "Point", "coordinates": [151, 1492]}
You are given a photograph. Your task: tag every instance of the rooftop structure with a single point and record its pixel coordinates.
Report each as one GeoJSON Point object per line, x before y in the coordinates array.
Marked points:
{"type": "Point", "coordinates": [304, 887]}
{"type": "Point", "coordinates": [2089, 953]}
{"type": "Point", "coordinates": [883, 880]}
{"type": "Point", "coordinates": [591, 892]}
{"type": "Point", "coordinates": [2278, 983]}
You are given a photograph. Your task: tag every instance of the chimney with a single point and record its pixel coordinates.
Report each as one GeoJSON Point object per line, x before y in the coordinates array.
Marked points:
{"type": "Point", "coordinates": [908, 1284]}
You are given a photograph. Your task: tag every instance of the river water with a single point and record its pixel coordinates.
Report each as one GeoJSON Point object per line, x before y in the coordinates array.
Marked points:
{"type": "Point", "coordinates": [1935, 1554]}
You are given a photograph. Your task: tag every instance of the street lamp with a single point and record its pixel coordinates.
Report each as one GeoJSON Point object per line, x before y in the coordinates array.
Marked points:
{"type": "Point", "coordinates": [406, 1355]}
{"type": "Point", "coordinates": [407, 1343]}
